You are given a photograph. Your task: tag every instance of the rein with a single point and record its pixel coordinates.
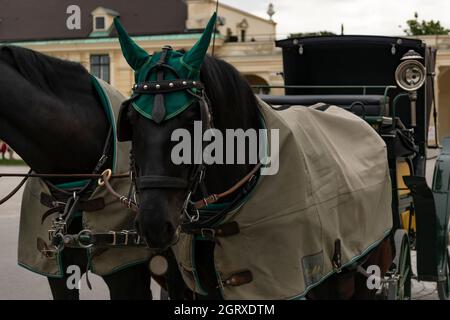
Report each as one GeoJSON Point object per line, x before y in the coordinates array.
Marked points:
{"type": "Point", "coordinates": [50, 176]}
{"type": "Point", "coordinates": [72, 202]}
{"type": "Point", "coordinates": [216, 197]}
{"type": "Point", "coordinates": [126, 201]}
{"type": "Point", "coordinates": [101, 162]}
{"type": "Point", "coordinates": [15, 190]}
{"type": "Point", "coordinates": [57, 175]}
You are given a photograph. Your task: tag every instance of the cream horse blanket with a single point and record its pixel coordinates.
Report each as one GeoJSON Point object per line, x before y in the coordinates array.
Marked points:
{"type": "Point", "coordinates": [333, 184]}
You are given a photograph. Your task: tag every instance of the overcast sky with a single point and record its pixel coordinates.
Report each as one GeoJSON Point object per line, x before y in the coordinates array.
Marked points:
{"type": "Point", "coordinates": [372, 17]}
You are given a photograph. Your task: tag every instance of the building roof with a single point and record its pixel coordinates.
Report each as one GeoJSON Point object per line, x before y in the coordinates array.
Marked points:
{"type": "Point", "coordinates": [107, 11]}
{"type": "Point", "coordinates": [22, 20]}
{"type": "Point", "coordinates": [244, 13]}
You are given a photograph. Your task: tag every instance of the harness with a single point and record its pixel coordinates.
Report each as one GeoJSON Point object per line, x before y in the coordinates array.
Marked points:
{"type": "Point", "coordinates": [68, 202]}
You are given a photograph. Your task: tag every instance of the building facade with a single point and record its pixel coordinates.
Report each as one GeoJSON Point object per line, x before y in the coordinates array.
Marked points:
{"type": "Point", "coordinates": [442, 81]}
{"type": "Point", "coordinates": [244, 40]}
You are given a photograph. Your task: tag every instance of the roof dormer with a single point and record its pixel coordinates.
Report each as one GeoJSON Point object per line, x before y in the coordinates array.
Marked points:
{"type": "Point", "coordinates": [102, 21]}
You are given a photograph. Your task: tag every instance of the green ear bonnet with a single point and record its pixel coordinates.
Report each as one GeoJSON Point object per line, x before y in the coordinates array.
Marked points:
{"type": "Point", "coordinates": [164, 70]}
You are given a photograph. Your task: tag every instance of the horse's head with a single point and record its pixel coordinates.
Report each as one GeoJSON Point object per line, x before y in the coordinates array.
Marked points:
{"type": "Point", "coordinates": [167, 96]}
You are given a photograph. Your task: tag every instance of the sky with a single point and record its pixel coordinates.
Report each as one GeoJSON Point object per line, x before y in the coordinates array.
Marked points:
{"type": "Point", "coordinates": [370, 17]}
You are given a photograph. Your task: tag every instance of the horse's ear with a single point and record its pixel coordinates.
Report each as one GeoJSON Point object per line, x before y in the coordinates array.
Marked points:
{"type": "Point", "coordinates": [196, 55]}
{"type": "Point", "coordinates": [134, 54]}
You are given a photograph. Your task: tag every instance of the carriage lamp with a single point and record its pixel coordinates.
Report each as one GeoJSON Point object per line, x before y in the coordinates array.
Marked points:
{"type": "Point", "coordinates": [410, 75]}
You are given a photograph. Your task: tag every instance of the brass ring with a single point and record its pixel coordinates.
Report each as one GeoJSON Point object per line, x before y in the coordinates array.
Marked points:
{"type": "Point", "coordinates": [106, 175]}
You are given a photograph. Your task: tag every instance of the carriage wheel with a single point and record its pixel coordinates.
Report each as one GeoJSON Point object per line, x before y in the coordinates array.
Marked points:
{"type": "Point", "coordinates": [443, 287]}
{"type": "Point", "coordinates": [399, 287]}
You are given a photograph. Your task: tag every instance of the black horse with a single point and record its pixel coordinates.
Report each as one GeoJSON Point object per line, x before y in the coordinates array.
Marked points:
{"type": "Point", "coordinates": [164, 186]}
{"type": "Point", "coordinates": [52, 116]}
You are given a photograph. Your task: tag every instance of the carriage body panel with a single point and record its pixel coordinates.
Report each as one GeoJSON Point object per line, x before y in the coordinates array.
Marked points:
{"type": "Point", "coordinates": [360, 61]}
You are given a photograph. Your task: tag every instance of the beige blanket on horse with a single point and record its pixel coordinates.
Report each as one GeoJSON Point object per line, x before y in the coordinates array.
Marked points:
{"type": "Point", "coordinates": [333, 185]}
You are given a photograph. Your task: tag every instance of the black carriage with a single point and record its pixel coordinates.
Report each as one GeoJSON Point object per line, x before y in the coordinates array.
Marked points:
{"type": "Point", "coordinates": [389, 82]}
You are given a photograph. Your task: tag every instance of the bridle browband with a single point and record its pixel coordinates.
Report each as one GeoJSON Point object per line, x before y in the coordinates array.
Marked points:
{"type": "Point", "coordinates": [166, 86]}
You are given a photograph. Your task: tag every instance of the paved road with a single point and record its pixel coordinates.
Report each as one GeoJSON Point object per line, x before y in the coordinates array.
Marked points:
{"type": "Point", "coordinates": [18, 283]}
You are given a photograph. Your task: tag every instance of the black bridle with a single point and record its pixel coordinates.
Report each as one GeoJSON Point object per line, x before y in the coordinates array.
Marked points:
{"type": "Point", "coordinates": [191, 219]}
{"type": "Point", "coordinates": [159, 87]}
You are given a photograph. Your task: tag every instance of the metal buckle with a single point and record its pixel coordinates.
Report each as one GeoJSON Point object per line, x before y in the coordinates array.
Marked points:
{"type": "Point", "coordinates": [114, 237]}
{"type": "Point", "coordinates": [138, 239]}
{"type": "Point", "coordinates": [208, 233]}
{"type": "Point", "coordinates": [51, 233]}
{"type": "Point", "coordinates": [60, 246]}
{"type": "Point", "coordinates": [337, 268]}
{"type": "Point", "coordinates": [194, 218]}
{"type": "Point", "coordinates": [102, 161]}
{"type": "Point", "coordinates": [186, 201]}
{"type": "Point", "coordinates": [85, 232]}
{"type": "Point", "coordinates": [201, 176]}
{"type": "Point", "coordinates": [126, 233]}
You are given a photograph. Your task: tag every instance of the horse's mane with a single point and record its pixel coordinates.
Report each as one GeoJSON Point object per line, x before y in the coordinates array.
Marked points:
{"type": "Point", "coordinates": [48, 74]}
{"type": "Point", "coordinates": [232, 99]}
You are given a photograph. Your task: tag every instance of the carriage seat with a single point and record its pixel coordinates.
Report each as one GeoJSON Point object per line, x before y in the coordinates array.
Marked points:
{"type": "Point", "coordinates": [362, 105]}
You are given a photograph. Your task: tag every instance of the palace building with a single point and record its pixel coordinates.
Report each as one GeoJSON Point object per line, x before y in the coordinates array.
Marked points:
{"type": "Point", "coordinates": [243, 39]}
{"type": "Point", "coordinates": [442, 81]}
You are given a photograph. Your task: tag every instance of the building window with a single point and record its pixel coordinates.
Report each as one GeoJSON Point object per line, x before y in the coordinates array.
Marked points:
{"type": "Point", "coordinates": [99, 23]}
{"type": "Point", "coordinates": [100, 66]}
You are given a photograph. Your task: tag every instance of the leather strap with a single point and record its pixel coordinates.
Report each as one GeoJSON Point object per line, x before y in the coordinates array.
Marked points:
{"type": "Point", "coordinates": [84, 205]}
{"type": "Point", "coordinates": [215, 197]}
{"type": "Point", "coordinates": [238, 279]}
{"type": "Point", "coordinates": [15, 190]}
{"type": "Point", "coordinates": [161, 182]}
{"type": "Point", "coordinates": [103, 239]}
{"type": "Point", "coordinates": [223, 230]}
{"type": "Point", "coordinates": [159, 108]}
{"type": "Point", "coordinates": [337, 257]}
{"type": "Point", "coordinates": [166, 86]}
{"type": "Point", "coordinates": [56, 206]}
{"type": "Point", "coordinates": [63, 175]}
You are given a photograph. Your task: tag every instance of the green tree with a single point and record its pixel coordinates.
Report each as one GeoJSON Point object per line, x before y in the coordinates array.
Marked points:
{"type": "Point", "coordinates": [420, 28]}
{"type": "Point", "coordinates": [311, 34]}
